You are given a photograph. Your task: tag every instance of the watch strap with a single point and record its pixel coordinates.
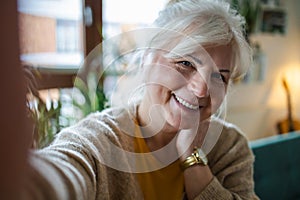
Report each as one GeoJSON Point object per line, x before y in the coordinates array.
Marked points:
{"type": "Point", "coordinates": [198, 157]}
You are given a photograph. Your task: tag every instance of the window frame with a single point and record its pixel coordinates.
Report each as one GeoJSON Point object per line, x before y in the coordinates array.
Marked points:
{"type": "Point", "coordinates": [91, 38]}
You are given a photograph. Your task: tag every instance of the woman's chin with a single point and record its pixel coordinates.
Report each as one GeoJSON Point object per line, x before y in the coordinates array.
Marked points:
{"type": "Point", "coordinates": [180, 123]}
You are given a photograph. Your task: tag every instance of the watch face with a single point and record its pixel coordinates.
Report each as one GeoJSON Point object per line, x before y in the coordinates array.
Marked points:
{"type": "Point", "coordinates": [202, 156]}
{"type": "Point", "coordinates": [205, 161]}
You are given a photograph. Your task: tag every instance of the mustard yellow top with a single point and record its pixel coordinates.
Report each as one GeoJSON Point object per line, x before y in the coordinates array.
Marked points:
{"type": "Point", "coordinates": [165, 183]}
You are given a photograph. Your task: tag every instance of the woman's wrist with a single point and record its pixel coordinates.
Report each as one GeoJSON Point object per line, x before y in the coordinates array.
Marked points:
{"type": "Point", "coordinates": [196, 180]}
{"type": "Point", "coordinates": [197, 157]}
{"type": "Point", "coordinates": [186, 154]}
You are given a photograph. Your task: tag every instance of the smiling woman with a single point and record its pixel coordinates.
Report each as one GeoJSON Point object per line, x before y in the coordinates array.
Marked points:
{"type": "Point", "coordinates": [169, 139]}
{"type": "Point", "coordinates": [197, 84]}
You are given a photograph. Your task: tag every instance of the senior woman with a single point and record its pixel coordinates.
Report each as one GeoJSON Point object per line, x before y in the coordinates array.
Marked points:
{"type": "Point", "coordinates": [172, 142]}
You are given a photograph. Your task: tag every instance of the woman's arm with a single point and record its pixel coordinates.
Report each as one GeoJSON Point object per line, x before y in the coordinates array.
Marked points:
{"type": "Point", "coordinates": [229, 173]}
{"type": "Point", "coordinates": [79, 164]}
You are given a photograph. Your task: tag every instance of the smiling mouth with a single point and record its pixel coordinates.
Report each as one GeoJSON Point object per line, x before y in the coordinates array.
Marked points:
{"type": "Point", "coordinates": [185, 104]}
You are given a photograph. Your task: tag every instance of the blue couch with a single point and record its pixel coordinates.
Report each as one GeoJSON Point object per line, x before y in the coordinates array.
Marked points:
{"type": "Point", "coordinates": [277, 167]}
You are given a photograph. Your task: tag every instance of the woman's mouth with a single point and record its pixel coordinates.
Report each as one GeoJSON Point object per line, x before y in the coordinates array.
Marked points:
{"type": "Point", "coordinates": [184, 103]}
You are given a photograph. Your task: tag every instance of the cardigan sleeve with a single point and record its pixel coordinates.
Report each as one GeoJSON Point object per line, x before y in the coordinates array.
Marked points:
{"type": "Point", "coordinates": [73, 166]}
{"type": "Point", "coordinates": [61, 171]}
{"type": "Point", "coordinates": [56, 179]}
{"type": "Point", "coordinates": [231, 162]}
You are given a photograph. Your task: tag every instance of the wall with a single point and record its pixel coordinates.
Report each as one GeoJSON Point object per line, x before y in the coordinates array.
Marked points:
{"type": "Point", "coordinates": [256, 107]}
{"type": "Point", "coordinates": [37, 34]}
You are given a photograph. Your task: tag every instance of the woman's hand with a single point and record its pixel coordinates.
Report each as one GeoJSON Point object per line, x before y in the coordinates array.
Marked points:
{"type": "Point", "coordinates": [196, 177]}
{"type": "Point", "coordinates": [187, 139]}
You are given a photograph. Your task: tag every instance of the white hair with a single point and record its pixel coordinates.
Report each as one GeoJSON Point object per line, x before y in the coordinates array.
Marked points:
{"type": "Point", "coordinates": [209, 23]}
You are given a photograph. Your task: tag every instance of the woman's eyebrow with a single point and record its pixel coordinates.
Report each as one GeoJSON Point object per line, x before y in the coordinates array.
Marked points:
{"type": "Point", "coordinates": [196, 59]}
{"type": "Point", "coordinates": [224, 70]}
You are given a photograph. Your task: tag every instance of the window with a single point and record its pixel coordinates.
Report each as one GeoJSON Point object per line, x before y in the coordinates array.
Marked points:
{"type": "Point", "coordinates": [54, 41]}
{"type": "Point", "coordinates": [51, 39]}
{"type": "Point", "coordinates": [52, 45]}
{"type": "Point", "coordinates": [68, 36]}
{"type": "Point", "coordinates": [121, 16]}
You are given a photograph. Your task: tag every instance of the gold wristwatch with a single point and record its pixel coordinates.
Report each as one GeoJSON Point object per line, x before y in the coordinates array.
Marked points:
{"type": "Point", "coordinates": [197, 157]}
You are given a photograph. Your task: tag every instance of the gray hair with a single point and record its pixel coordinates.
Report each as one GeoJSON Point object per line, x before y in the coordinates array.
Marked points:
{"type": "Point", "coordinates": [209, 23]}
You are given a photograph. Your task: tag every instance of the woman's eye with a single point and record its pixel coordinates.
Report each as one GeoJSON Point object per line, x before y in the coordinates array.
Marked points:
{"type": "Point", "coordinates": [186, 63]}
{"type": "Point", "coordinates": [186, 68]}
{"type": "Point", "coordinates": [218, 76]}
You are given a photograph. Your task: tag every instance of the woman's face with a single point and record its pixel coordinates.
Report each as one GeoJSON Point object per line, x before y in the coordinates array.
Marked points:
{"type": "Point", "coordinates": [186, 89]}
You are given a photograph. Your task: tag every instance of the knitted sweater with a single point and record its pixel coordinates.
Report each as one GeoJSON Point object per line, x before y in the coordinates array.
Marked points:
{"type": "Point", "coordinates": [84, 162]}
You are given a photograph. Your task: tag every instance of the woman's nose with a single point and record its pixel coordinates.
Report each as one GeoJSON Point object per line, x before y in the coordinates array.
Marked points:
{"type": "Point", "coordinates": [198, 85]}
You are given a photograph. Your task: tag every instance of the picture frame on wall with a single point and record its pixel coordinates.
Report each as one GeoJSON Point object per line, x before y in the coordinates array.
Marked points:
{"type": "Point", "coordinates": [273, 20]}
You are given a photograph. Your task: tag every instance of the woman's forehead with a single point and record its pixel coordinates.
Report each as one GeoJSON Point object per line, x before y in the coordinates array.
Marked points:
{"type": "Point", "coordinates": [221, 55]}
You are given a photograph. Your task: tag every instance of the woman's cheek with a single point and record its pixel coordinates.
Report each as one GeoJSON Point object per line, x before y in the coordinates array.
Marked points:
{"type": "Point", "coordinates": [217, 95]}
{"type": "Point", "coordinates": [165, 75]}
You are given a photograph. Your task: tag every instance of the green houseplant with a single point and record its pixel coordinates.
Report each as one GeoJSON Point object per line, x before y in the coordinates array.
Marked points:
{"type": "Point", "coordinates": [46, 117]}
{"type": "Point", "coordinates": [250, 10]}
{"type": "Point", "coordinates": [91, 90]}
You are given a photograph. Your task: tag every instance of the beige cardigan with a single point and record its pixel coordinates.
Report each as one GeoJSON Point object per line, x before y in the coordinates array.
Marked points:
{"type": "Point", "coordinates": [72, 167]}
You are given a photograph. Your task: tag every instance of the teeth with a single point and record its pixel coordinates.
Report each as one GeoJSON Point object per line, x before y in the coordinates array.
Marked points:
{"type": "Point", "coordinates": [186, 104]}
